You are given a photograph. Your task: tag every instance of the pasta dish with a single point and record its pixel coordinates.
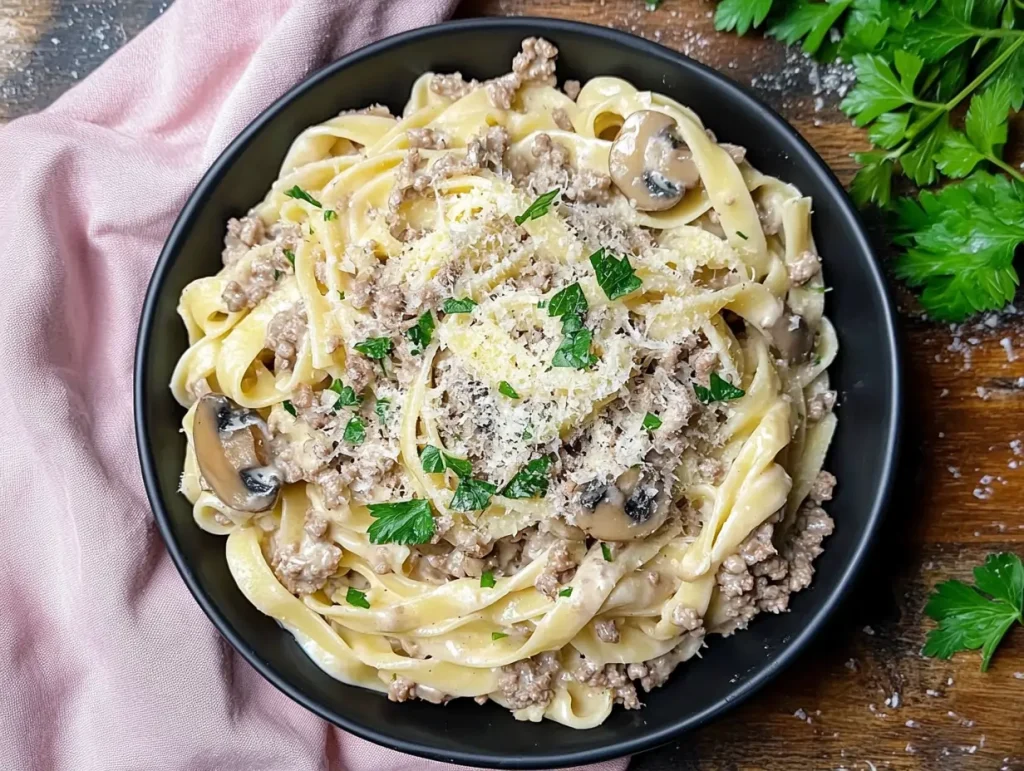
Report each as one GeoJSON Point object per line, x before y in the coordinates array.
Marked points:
{"type": "Point", "coordinates": [518, 396]}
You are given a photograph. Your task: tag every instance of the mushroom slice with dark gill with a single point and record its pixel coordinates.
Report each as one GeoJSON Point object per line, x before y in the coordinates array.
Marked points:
{"type": "Point", "coordinates": [791, 336]}
{"type": "Point", "coordinates": [650, 163]}
{"type": "Point", "coordinates": [631, 508]}
{"type": "Point", "coordinates": [231, 448]}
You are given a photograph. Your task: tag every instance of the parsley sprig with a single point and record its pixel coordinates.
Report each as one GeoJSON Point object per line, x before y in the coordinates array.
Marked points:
{"type": "Point", "coordinates": [574, 350]}
{"type": "Point", "coordinates": [404, 522]}
{"type": "Point", "coordinates": [531, 481]}
{"type": "Point", "coordinates": [979, 616]}
{"type": "Point", "coordinates": [539, 207]}
{"type": "Point", "coordinates": [719, 390]}
{"type": "Point", "coordinates": [300, 194]}
{"type": "Point", "coordinates": [435, 461]}
{"type": "Point", "coordinates": [916, 63]}
{"type": "Point", "coordinates": [421, 332]}
{"type": "Point", "coordinates": [615, 276]}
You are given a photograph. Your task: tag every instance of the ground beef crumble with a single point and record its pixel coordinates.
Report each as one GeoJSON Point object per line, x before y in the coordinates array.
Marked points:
{"type": "Point", "coordinates": [531, 681]}
{"type": "Point", "coordinates": [285, 333]}
{"type": "Point", "coordinates": [305, 568]}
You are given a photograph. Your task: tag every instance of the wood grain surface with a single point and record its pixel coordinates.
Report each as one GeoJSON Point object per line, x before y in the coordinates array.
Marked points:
{"type": "Point", "coordinates": [959, 493]}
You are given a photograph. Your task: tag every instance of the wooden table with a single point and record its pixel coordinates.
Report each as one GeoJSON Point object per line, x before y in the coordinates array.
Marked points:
{"type": "Point", "coordinates": [958, 496]}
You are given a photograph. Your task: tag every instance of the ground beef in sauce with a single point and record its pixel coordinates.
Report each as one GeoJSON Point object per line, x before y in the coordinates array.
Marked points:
{"type": "Point", "coordinates": [535, 63]}
{"type": "Point", "coordinates": [551, 168]}
{"type": "Point", "coordinates": [284, 334]}
{"type": "Point", "coordinates": [242, 235]}
{"type": "Point", "coordinates": [531, 681]}
{"type": "Point", "coordinates": [402, 689]}
{"type": "Point", "coordinates": [427, 139]}
{"type": "Point", "coordinates": [561, 119]}
{"type": "Point", "coordinates": [305, 568]}
{"type": "Point", "coordinates": [612, 676]}
{"type": "Point", "coordinates": [561, 560]}
{"type": "Point", "coordinates": [257, 280]}
{"type": "Point", "coordinates": [606, 630]}
{"type": "Point", "coordinates": [452, 86]}
{"type": "Point", "coordinates": [805, 267]}
{"type": "Point", "coordinates": [820, 405]}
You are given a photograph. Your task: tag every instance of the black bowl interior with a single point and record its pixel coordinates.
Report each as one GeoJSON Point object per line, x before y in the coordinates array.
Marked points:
{"type": "Point", "coordinates": [866, 374]}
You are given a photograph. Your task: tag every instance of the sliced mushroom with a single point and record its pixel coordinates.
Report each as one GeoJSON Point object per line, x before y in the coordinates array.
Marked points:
{"type": "Point", "coordinates": [231, 448]}
{"type": "Point", "coordinates": [792, 337]}
{"type": "Point", "coordinates": [650, 163]}
{"type": "Point", "coordinates": [633, 507]}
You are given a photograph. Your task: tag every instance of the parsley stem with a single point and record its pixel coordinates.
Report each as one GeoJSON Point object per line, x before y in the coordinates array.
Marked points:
{"type": "Point", "coordinates": [942, 109]}
{"type": "Point", "coordinates": [1005, 167]}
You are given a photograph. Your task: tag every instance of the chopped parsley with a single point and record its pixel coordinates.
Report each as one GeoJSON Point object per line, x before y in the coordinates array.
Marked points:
{"type": "Point", "coordinates": [289, 408]}
{"type": "Point", "coordinates": [355, 431]}
{"type": "Point", "coordinates": [375, 347]}
{"type": "Point", "coordinates": [574, 350]}
{"type": "Point", "coordinates": [300, 194]}
{"type": "Point", "coordinates": [539, 207]}
{"type": "Point", "coordinates": [531, 481]}
{"type": "Point", "coordinates": [498, 635]}
{"type": "Point", "coordinates": [821, 289]}
{"type": "Point", "coordinates": [979, 616]}
{"type": "Point", "coordinates": [347, 396]}
{"type": "Point", "coordinates": [277, 275]}
{"type": "Point", "coordinates": [568, 301]}
{"type": "Point", "coordinates": [472, 495]}
{"type": "Point", "coordinates": [381, 408]}
{"type": "Point", "coordinates": [566, 592]}
{"type": "Point", "coordinates": [742, 235]}
{"type": "Point", "coordinates": [487, 580]}
{"type": "Point", "coordinates": [652, 422]}
{"type": "Point", "coordinates": [329, 214]}
{"type": "Point", "coordinates": [542, 304]}
{"type": "Point", "coordinates": [528, 433]}
{"type": "Point", "coordinates": [290, 255]}
{"type": "Point", "coordinates": [341, 295]}
{"type": "Point", "coordinates": [435, 461]}
{"type": "Point", "coordinates": [465, 305]}
{"type": "Point", "coordinates": [721, 390]}
{"type": "Point", "coordinates": [404, 522]}
{"type": "Point", "coordinates": [357, 598]}
{"type": "Point", "coordinates": [421, 333]}
{"type": "Point", "coordinates": [616, 277]}
{"type": "Point", "coordinates": [606, 552]}
{"type": "Point", "coordinates": [506, 389]}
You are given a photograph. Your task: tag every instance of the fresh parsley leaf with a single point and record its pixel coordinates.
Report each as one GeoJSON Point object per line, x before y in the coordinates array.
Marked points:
{"type": "Point", "coordinates": [375, 347]}
{"type": "Point", "coordinates": [973, 617]}
{"type": "Point", "coordinates": [531, 481]}
{"type": "Point", "coordinates": [329, 214]}
{"type": "Point", "coordinates": [568, 302]}
{"type": "Point", "coordinates": [355, 597]}
{"type": "Point", "coordinates": [341, 295]}
{"type": "Point", "coordinates": [421, 333]}
{"type": "Point", "coordinates": [355, 431]}
{"type": "Point", "coordinates": [616, 277]}
{"type": "Point", "coordinates": [405, 522]}
{"type": "Point", "coordinates": [289, 408]}
{"type": "Point", "coordinates": [347, 397]}
{"type": "Point", "coordinates": [435, 461]}
{"type": "Point", "coordinates": [720, 390]}
{"type": "Point", "coordinates": [961, 242]}
{"type": "Point", "coordinates": [498, 635]}
{"type": "Point", "coordinates": [958, 156]}
{"type": "Point", "coordinates": [986, 119]}
{"type": "Point", "coordinates": [290, 255]}
{"type": "Point", "coordinates": [487, 580]}
{"type": "Point", "coordinates": [300, 194]}
{"type": "Point", "coordinates": [606, 552]}
{"type": "Point", "coordinates": [539, 207]}
{"type": "Point", "coordinates": [878, 88]}
{"type": "Point", "coordinates": [505, 389]}
{"type": "Point", "coordinates": [741, 15]}
{"type": "Point", "coordinates": [810, 22]}
{"type": "Point", "coordinates": [873, 181]}
{"type": "Point", "coordinates": [889, 129]}
{"type": "Point", "coordinates": [919, 163]}
{"type": "Point", "coordinates": [472, 495]}
{"type": "Point", "coordinates": [566, 592]}
{"type": "Point", "coordinates": [465, 305]}
{"type": "Point", "coordinates": [939, 34]}
{"type": "Point", "coordinates": [652, 422]}
{"type": "Point", "coordinates": [574, 350]}
{"type": "Point", "coordinates": [381, 408]}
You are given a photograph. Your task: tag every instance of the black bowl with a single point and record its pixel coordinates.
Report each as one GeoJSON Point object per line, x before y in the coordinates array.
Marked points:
{"type": "Point", "coordinates": [867, 374]}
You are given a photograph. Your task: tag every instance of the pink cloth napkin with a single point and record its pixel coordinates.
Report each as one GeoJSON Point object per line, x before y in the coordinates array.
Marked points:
{"type": "Point", "coordinates": [106, 662]}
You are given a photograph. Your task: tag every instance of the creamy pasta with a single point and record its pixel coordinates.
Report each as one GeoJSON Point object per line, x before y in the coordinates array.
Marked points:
{"type": "Point", "coordinates": [518, 396]}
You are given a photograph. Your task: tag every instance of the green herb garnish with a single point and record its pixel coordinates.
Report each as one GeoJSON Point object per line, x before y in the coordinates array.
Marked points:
{"type": "Point", "coordinates": [421, 333]}
{"type": "Point", "coordinates": [465, 305]}
{"type": "Point", "coordinates": [742, 235]}
{"type": "Point", "coordinates": [341, 295]}
{"type": "Point", "coordinates": [487, 580]}
{"type": "Point", "coordinates": [505, 389]}
{"type": "Point", "coordinates": [721, 390]}
{"type": "Point", "coordinates": [531, 481]}
{"type": "Point", "coordinates": [498, 635]}
{"type": "Point", "coordinates": [289, 408]}
{"type": "Point", "coordinates": [355, 431]}
{"type": "Point", "coordinates": [606, 552]}
{"type": "Point", "coordinates": [381, 408]}
{"type": "Point", "coordinates": [979, 616]}
{"type": "Point", "coordinates": [347, 396]}
{"type": "Point", "coordinates": [302, 195]}
{"type": "Point", "coordinates": [472, 495]}
{"type": "Point", "coordinates": [290, 255]}
{"type": "Point", "coordinates": [568, 301]}
{"type": "Point", "coordinates": [538, 208]}
{"type": "Point", "coordinates": [435, 461]}
{"type": "Point", "coordinates": [652, 421]}
{"type": "Point", "coordinates": [567, 592]}
{"type": "Point", "coordinates": [404, 522]}
{"type": "Point", "coordinates": [615, 276]}
{"type": "Point", "coordinates": [574, 350]}
{"type": "Point", "coordinates": [357, 598]}
{"type": "Point", "coordinates": [375, 347]}
{"type": "Point", "coordinates": [329, 214]}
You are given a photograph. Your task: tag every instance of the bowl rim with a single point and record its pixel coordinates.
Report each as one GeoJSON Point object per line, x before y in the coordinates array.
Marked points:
{"type": "Point", "coordinates": [645, 740]}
